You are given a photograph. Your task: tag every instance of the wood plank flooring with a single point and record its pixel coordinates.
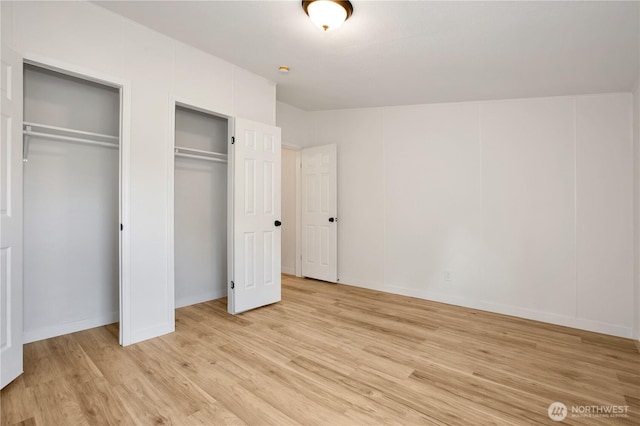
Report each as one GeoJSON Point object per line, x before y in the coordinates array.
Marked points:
{"type": "Point", "coordinates": [328, 355]}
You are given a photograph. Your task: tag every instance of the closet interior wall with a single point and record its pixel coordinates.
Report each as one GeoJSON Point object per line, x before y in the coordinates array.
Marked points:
{"type": "Point", "coordinates": [200, 209]}
{"type": "Point", "coordinates": [71, 206]}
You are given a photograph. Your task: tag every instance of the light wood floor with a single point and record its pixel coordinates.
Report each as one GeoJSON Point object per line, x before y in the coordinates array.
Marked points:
{"type": "Point", "coordinates": [331, 355]}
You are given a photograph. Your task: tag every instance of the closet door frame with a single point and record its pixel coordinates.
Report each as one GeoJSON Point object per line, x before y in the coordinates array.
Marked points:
{"type": "Point", "coordinates": [124, 87]}
{"type": "Point", "coordinates": [176, 101]}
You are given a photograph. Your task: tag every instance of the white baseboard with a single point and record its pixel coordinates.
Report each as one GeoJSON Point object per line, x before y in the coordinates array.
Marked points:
{"type": "Point", "coordinates": [290, 270]}
{"type": "Point", "coordinates": [30, 336]}
{"type": "Point", "coordinates": [516, 311]}
{"type": "Point", "coordinates": [362, 284]}
{"type": "Point", "coordinates": [200, 298]}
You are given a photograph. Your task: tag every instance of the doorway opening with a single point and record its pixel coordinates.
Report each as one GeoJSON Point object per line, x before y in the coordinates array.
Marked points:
{"type": "Point", "coordinates": [200, 206]}
{"type": "Point", "coordinates": [72, 203]}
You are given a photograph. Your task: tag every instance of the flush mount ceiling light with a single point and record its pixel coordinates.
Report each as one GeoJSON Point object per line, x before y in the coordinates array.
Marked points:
{"type": "Point", "coordinates": [328, 14]}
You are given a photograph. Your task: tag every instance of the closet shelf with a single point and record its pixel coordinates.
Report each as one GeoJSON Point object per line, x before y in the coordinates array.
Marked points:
{"type": "Point", "coordinates": [46, 132]}
{"type": "Point", "coordinates": [200, 154]}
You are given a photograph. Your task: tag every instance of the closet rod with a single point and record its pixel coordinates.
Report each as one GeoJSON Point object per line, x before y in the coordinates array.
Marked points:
{"type": "Point", "coordinates": [70, 139]}
{"type": "Point", "coordinates": [201, 157]}
{"type": "Point", "coordinates": [65, 129]}
{"type": "Point", "coordinates": [199, 151]}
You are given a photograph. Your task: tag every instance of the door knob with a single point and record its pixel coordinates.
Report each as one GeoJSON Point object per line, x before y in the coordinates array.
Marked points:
{"type": "Point", "coordinates": [331, 219]}
{"type": "Point", "coordinates": [277, 223]}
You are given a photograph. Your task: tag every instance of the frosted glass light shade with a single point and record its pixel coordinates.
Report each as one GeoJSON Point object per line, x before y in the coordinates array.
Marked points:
{"type": "Point", "coordinates": [327, 14]}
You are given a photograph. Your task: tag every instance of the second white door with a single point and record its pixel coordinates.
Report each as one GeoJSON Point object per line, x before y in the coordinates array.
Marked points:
{"type": "Point", "coordinates": [319, 217]}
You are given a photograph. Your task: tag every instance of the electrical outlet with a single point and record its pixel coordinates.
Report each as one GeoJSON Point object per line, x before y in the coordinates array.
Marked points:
{"type": "Point", "coordinates": [448, 276]}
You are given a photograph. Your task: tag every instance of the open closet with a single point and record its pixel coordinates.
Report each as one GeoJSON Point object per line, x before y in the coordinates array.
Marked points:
{"type": "Point", "coordinates": [200, 206]}
{"type": "Point", "coordinates": [71, 203]}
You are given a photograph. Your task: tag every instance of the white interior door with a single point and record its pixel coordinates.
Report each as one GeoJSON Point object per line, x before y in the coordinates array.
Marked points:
{"type": "Point", "coordinates": [320, 213]}
{"type": "Point", "coordinates": [11, 222]}
{"type": "Point", "coordinates": [254, 208]}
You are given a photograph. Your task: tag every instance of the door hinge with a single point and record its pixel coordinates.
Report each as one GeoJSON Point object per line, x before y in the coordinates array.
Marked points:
{"type": "Point", "coordinates": [121, 227]}
{"type": "Point", "coordinates": [233, 140]}
{"type": "Point", "coordinates": [233, 285]}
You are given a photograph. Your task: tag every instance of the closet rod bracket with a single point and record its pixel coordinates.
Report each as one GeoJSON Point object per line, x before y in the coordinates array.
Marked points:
{"type": "Point", "coordinates": [25, 145]}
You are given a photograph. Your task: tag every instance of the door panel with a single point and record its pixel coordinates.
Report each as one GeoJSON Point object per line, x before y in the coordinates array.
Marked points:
{"type": "Point", "coordinates": [254, 210]}
{"type": "Point", "coordinates": [11, 217]}
{"type": "Point", "coordinates": [319, 213]}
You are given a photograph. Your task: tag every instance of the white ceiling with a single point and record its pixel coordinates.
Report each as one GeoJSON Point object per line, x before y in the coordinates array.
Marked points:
{"type": "Point", "coordinates": [397, 52]}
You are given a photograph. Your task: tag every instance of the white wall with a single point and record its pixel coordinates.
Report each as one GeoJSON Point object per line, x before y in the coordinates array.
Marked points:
{"type": "Point", "coordinates": [528, 203]}
{"type": "Point", "coordinates": [157, 67]}
{"type": "Point", "coordinates": [295, 124]}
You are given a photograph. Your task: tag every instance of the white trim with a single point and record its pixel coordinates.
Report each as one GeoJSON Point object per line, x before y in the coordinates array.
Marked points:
{"type": "Point", "coordinates": [126, 323]}
{"type": "Point", "coordinates": [635, 137]}
{"type": "Point", "coordinates": [72, 327]}
{"type": "Point", "coordinates": [171, 277]}
{"type": "Point", "coordinates": [201, 298]}
{"type": "Point", "coordinates": [183, 102]}
{"type": "Point", "coordinates": [73, 70]}
{"type": "Point", "coordinates": [298, 270]}
{"type": "Point", "coordinates": [124, 87]}
{"type": "Point", "coordinates": [230, 214]}
{"type": "Point", "coordinates": [516, 311]}
{"type": "Point", "coordinates": [576, 221]}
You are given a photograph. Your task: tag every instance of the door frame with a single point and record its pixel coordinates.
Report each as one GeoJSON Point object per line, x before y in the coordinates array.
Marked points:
{"type": "Point", "coordinates": [298, 193]}
{"type": "Point", "coordinates": [124, 87]}
{"type": "Point", "coordinates": [175, 101]}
